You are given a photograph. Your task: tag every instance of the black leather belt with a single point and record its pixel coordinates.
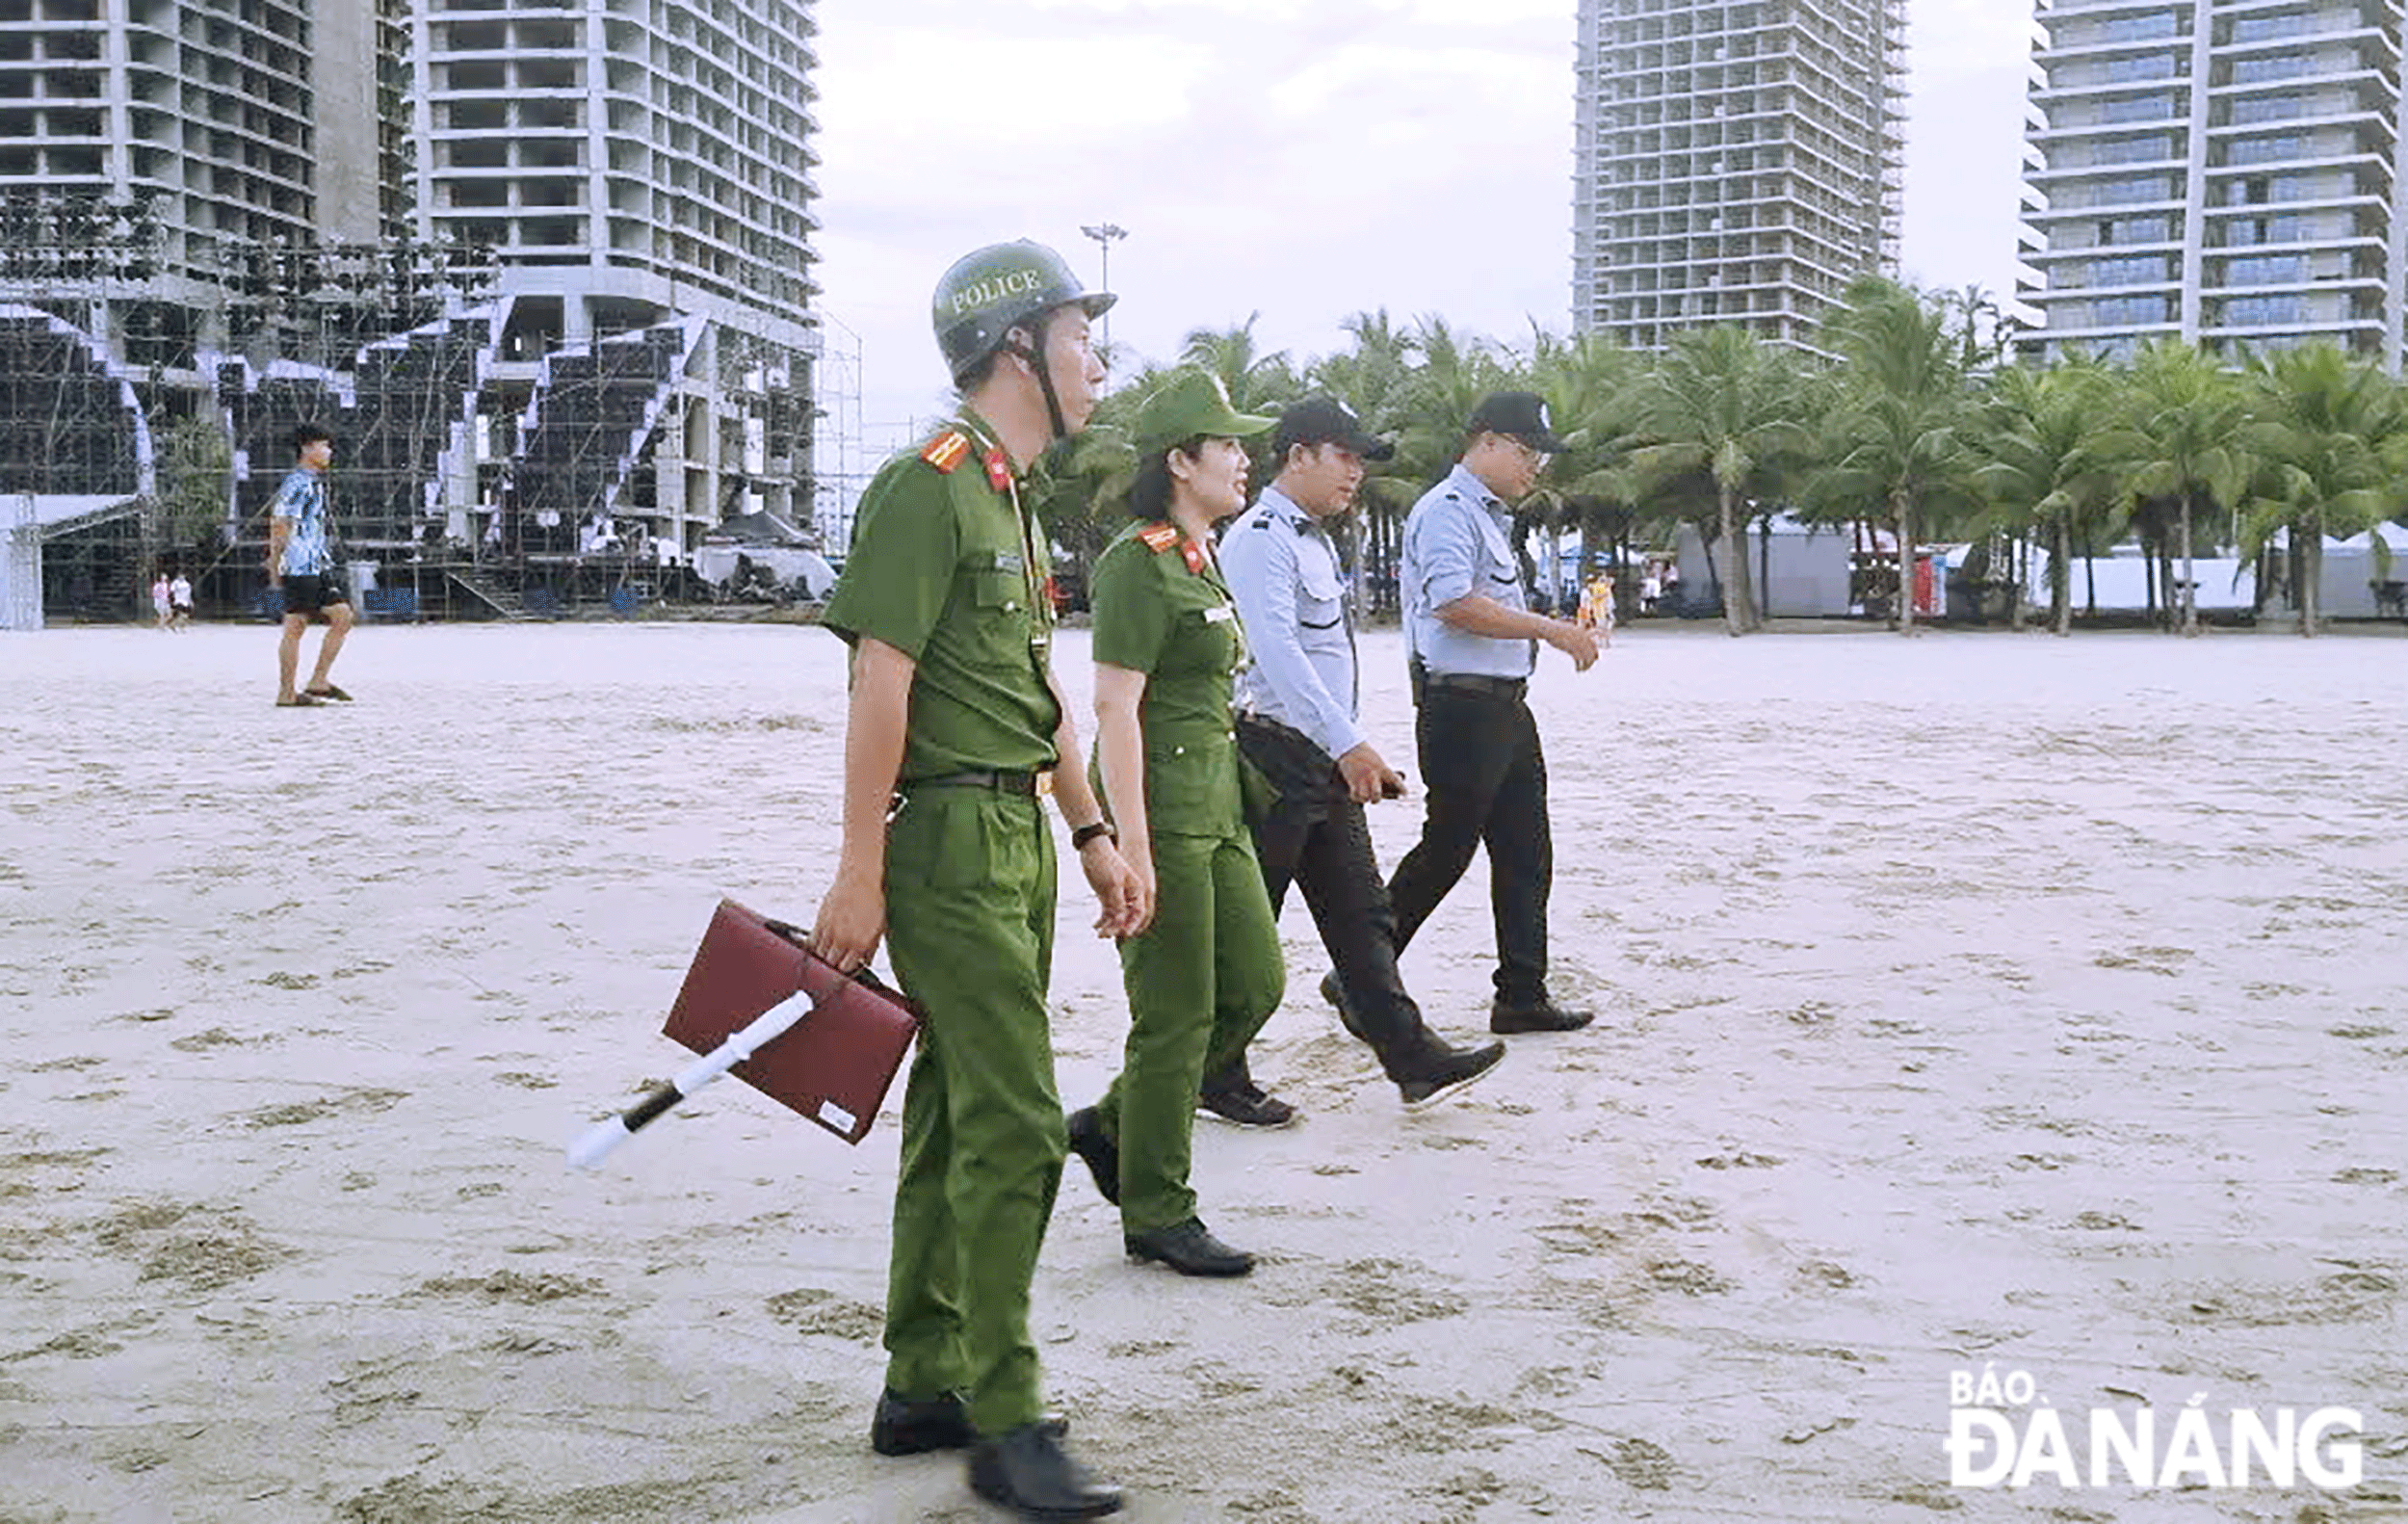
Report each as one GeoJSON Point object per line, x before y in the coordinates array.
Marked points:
{"type": "Point", "coordinates": [1474, 683]}
{"type": "Point", "coordinates": [1020, 783]}
{"type": "Point", "coordinates": [1275, 731]}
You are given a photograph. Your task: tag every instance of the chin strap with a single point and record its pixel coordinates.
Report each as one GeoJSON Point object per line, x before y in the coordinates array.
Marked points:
{"type": "Point", "coordinates": [1045, 383]}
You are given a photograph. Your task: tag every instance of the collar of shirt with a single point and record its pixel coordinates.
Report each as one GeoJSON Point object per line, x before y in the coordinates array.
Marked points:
{"type": "Point", "coordinates": [1474, 490]}
{"type": "Point", "coordinates": [988, 440]}
{"type": "Point", "coordinates": [1279, 505]}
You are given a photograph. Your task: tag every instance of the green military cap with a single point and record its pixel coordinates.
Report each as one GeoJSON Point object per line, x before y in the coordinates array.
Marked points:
{"type": "Point", "coordinates": [1190, 403]}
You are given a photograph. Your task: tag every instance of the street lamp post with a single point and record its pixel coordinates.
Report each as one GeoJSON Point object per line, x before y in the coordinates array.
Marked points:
{"type": "Point", "coordinates": [1104, 233]}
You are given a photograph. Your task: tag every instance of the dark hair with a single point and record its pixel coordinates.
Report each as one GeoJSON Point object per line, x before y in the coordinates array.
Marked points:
{"type": "Point", "coordinates": [1149, 495]}
{"type": "Point", "coordinates": [307, 434]}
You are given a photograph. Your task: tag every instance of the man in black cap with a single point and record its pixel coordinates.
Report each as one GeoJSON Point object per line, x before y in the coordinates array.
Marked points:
{"type": "Point", "coordinates": [1473, 641]}
{"type": "Point", "coordinates": [1297, 723]}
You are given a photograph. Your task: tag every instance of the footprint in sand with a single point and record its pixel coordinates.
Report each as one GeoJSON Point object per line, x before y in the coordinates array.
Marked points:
{"type": "Point", "coordinates": [68, 1066]}
{"type": "Point", "coordinates": [811, 1310]}
{"type": "Point", "coordinates": [509, 1285]}
{"type": "Point", "coordinates": [203, 1248]}
{"type": "Point", "coordinates": [354, 1102]}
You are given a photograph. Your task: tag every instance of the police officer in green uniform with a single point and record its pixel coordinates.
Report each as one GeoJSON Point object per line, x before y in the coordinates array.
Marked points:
{"type": "Point", "coordinates": [1206, 972]}
{"type": "Point", "coordinates": [953, 723]}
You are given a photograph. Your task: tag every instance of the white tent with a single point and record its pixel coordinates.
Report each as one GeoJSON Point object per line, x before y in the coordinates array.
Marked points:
{"type": "Point", "coordinates": [2346, 587]}
{"type": "Point", "coordinates": [1804, 574]}
{"type": "Point", "coordinates": [2121, 578]}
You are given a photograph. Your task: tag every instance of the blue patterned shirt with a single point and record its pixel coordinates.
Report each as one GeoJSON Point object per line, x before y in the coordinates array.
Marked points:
{"type": "Point", "coordinates": [303, 499]}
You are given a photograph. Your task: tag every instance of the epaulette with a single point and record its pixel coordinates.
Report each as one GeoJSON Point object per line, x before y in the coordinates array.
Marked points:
{"type": "Point", "coordinates": [1160, 538]}
{"type": "Point", "coordinates": [947, 450]}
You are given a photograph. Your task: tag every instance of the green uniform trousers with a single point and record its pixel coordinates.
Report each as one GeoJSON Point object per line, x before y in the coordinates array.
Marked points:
{"type": "Point", "coordinates": [1202, 980]}
{"type": "Point", "coordinates": [970, 885]}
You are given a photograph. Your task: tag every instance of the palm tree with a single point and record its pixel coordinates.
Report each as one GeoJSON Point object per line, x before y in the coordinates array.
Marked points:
{"type": "Point", "coordinates": [1374, 377]}
{"type": "Point", "coordinates": [1721, 403]}
{"type": "Point", "coordinates": [1255, 380]}
{"type": "Point", "coordinates": [2331, 437]}
{"type": "Point", "coordinates": [1456, 371]}
{"type": "Point", "coordinates": [1591, 384]}
{"type": "Point", "coordinates": [1895, 435]}
{"type": "Point", "coordinates": [2186, 414]}
{"type": "Point", "coordinates": [2052, 451]}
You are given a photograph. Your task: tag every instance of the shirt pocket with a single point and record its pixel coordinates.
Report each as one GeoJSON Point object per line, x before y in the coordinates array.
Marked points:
{"type": "Point", "coordinates": [1498, 563]}
{"type": "Point", "coordinates": [1319, 595]}
{"type": "Point", "coordinates": [995, 603]}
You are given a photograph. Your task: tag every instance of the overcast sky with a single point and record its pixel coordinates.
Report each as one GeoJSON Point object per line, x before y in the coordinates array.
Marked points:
{"type": "Point", "coordinates": [1305, 158]}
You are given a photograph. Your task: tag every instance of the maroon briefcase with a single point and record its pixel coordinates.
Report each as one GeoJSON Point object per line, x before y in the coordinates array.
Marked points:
{"type": "Point", "coordinates": [836, 1066]}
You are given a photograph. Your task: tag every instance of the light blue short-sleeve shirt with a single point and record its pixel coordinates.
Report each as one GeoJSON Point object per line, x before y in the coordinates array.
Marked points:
{"type": "Point", "coordinates": [1291, 592]}
{"type": "Point", "coordinates": [1458, 540]}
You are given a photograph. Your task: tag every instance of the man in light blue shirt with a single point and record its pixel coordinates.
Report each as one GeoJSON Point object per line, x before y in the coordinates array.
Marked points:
{"type": "Point", "coordinates": [1297, 723]}
{"type": "Point", "coordinates": [1473, 641]}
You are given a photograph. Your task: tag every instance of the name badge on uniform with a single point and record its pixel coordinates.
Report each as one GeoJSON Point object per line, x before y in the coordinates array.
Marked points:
{"type": "Point", "coordinates": [1220, 614]}
{"type": "Point", "coordinates": [1005, 561]}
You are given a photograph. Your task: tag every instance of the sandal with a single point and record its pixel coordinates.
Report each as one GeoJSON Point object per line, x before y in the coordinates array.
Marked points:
{"type": "Point", "coordinates": [299, 700]}
{"type": "Point", "coordinates": [330, 691]}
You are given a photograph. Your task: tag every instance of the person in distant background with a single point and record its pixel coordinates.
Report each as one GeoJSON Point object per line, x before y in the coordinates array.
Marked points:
{"type": "Point", "coordinates": [159, 600]}
{"type": "Point", "coordinates": [179, 602]}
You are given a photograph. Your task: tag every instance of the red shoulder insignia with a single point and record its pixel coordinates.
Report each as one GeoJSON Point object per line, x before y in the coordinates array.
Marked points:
{"type": "Point", "coordinates": [947, 450]}
{"type": "Point", "coordinates": [1159, 537]}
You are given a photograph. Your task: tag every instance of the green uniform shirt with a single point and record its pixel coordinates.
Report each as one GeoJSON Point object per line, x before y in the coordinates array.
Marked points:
{"type": "Point", "coordinates": [1179, 626]}
{"type": "Point", "coordinates": [946, 569]}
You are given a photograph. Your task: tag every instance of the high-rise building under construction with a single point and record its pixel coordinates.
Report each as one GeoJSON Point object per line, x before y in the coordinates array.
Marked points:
{"type": "Point", "coordinates": [544, 266]}
{"type": "Point", "coordinates": [1737, 161]}
{"type": "Point", "coordinates": [2217, 171]}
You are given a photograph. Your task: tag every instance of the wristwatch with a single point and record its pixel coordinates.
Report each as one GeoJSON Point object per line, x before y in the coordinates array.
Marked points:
{"type": "Point", "coordinates": [1086, 834]}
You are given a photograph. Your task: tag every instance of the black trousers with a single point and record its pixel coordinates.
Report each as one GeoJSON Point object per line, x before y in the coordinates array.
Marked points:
{"type": "Point", "coordinates": [1315, 838]}
{"type": "Point", "coordinates": [1484, 781]}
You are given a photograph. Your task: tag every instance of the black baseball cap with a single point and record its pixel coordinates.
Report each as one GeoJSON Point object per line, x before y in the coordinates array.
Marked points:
{"type": "Point", "coordinates": [1523, 414]}
{"type": "Point", "coordinates": [1325, 420]}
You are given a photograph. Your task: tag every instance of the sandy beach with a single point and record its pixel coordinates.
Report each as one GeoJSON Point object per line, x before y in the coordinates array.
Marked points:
{"type": "Point", "coordinates": [1974, 1001]}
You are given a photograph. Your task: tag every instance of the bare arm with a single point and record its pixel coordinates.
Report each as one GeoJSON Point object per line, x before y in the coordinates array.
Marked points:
{"type": "Point", "coordinates": [1475, 614]}
{"type": "Point", "coordinates": [1120, 747]}
{"type": "Point", "coordinates": [1072, 794]}
{"type": "Point", "coordinates": [1108, 872]}
{"type": "Point", "coordinates": [280, 530]}
{"type": "Point", "coordinates": [852, 917]}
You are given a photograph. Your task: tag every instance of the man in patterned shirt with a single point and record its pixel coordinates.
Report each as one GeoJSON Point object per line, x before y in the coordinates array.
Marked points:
{"type": "Point", "coordinates": [301, 561]}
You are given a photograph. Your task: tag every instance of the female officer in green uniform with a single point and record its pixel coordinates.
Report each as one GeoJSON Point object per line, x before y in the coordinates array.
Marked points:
{"type": "Point", "coordinates": [1206, 972]}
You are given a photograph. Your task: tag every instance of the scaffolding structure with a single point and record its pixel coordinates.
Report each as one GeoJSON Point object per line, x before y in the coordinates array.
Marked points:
{"type": "Point", "coordinates": [836, 425]}
{"type": "Point", "coordinates": [76, 463]}
{"type": "Point", "coordinates": [471, 464]}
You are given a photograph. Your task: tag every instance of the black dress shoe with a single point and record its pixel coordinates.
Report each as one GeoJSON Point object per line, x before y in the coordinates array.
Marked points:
{"type": "Point", "coordinates": [1540, 1016]}
{"type": "Point", "coordinates": [1026, 1471]}
{"type": "Point", "coordinates": [1443, 1067]}
{"type": "Point", "coordinates": [907, 1426]}
{"type": "Point", "coordinates": [1247, 1105]}
{"type": "Point", "coordinates": [1336, 994]}
{"type": "Point", "coordinates": [912, 1426]}
{"type": "Point", "coordinates": [1190, 1249]}
{"type": "Point", "coordinates": [1089, 1142]}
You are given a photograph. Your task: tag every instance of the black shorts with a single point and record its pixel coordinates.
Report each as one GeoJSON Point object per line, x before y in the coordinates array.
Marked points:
{"type": "Point", "coordinates": [306, 595]}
